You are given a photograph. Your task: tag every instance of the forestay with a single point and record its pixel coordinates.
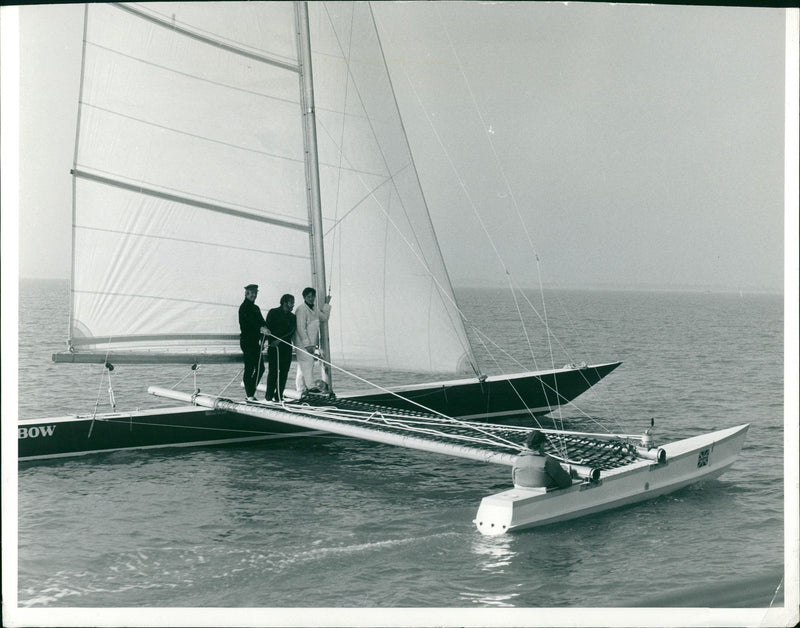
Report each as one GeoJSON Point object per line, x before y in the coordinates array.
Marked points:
{"type": "Point", "coordinates": [189, 182]}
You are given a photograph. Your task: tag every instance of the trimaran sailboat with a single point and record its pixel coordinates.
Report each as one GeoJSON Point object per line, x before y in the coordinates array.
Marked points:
{"type": "Point", "coordinates": [213, 143]}
{"type": "Point", "coordinates": [195, 173]}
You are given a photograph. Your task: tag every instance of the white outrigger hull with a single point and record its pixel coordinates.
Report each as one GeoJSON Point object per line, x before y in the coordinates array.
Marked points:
{"type": "Point", "coordinates": [687, 461]}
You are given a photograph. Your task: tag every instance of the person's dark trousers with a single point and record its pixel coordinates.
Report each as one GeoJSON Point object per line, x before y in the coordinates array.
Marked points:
{"type": "Point", "coordinates": [253, 368]}
{"type": "Point", "coordinates": [279, 358]}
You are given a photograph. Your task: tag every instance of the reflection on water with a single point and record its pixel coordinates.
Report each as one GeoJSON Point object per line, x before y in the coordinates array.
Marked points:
{"type": "Point", "coordinates": [494, 552]}
{"type": "Point", "coordinates": [498, 600]}
{"type": "Point", "coordinates": [495, 557]}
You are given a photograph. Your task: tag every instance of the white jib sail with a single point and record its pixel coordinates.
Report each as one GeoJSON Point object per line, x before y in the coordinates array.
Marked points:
{"type": "Point", "coordinates": [190, 183]}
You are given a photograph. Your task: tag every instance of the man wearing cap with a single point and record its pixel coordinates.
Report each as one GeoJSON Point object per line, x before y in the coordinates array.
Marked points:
{"type": "Point", "coordinates": [251, 340]}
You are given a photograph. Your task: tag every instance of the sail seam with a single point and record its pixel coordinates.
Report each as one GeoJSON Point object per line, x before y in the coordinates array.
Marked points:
{"type": "Point", "coordinates": [188, 241]}
{"type": "Point", "coordinates": [194, 77]}
{"type": "Point", "coordinates": [194, 135]}
{"type": "Point", "coordinates": [188, 201]}
{"type": "Point", "coordinates": [292, 67]}
{"type": "Point", "coordinates": [157, 298]}
{"type": "Point", "coordinates": [370, 194]}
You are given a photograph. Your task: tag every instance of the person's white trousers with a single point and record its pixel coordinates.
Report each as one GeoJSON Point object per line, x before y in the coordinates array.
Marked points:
{"type": "Point", "coordinates": [305, 372]}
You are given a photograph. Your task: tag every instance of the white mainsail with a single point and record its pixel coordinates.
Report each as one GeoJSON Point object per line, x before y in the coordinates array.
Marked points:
{"type": "Point", "coordinates": [190, 182]}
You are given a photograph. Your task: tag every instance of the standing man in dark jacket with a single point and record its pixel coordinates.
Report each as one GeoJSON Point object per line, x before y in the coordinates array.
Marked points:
{"type": "Point", "coordinates": [282, 324]}
{"type": "Point", "coordinates": [253, 328]}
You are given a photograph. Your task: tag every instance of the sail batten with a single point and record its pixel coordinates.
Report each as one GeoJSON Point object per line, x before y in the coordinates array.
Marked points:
{"type": "Point", "coordinates": [187, 337]}
{"type": "Point", "coordinates": [185, 356]}
{"type": "Point", "coordinates": [140, 189]}
{"type": "Point", "coordinates": [172, 26]}
{"type": "Point", "coordinates": [190, 182]}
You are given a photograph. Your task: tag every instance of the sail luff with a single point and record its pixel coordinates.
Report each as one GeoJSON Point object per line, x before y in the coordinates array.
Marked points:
{"type": "Point", "coordinates": [74, 180]}
{"type": "Point", "coordinates": [312, 174]}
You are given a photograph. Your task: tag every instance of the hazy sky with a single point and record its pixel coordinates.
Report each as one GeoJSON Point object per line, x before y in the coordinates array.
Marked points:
{"type": "Point", "coordinates": [640, 145]}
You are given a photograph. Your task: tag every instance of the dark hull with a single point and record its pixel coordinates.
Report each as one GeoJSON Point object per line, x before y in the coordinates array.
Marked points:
{"type": "Point", "coordinates": [167, 427]}
{"type": "Point", "coordinates": [493, 399]}
{"type": "Point", "coordinates": [497, 397]}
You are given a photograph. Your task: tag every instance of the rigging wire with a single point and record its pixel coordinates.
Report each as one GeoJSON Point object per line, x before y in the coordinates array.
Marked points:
{"type": "Point", "coordinates": [182, 379]}
{"type": "Point", "coordinates": [506, 183]}
{"type": "Point", "coordinates": [515, 205]}
{"type": "Point", "coordinates": [508, 187]}
{"type": "Point", "coordinates": [445, 293]}
{"type": "Point", "coordinates": [519, 395]}
{"type": "Point", "coordinates": [610, 410]}
{"type": "Point", "coordinates": [484, 228]}
{"type": "Point", "coordinates": [483, 338]}
{"type": "Point", "coordinates": [386, 390]}
{"type": "Point", "coordinates": [371, 194]}
{"type": "Point", "coordinates": [346, 81]}
{"type": "Point", "coordinates": [481, 222]}
{"type": "Point", "coordinates": [533, 356]}
{"type": "Point", "coordinates": [417, 249]}
{"type": "Point", "coordinates": [107, 368]}
{"type": "Point", "coordinates": [237, 376]}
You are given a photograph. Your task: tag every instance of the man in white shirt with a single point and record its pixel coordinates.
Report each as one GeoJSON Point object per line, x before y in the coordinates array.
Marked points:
{"type": "Point", "coordinates": [306, 338]}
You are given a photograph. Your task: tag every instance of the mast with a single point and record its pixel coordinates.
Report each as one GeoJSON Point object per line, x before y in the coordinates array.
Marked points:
{"type": "Point", "coordinates": [312, 176]}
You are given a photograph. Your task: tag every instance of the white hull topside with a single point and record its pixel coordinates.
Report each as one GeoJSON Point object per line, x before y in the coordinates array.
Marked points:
{"type": "Point", "coordinates": [687, 461]}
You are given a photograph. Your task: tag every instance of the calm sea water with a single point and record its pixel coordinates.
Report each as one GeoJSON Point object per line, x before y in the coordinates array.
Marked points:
{"type": "Point", "coordinates": [333, 522]}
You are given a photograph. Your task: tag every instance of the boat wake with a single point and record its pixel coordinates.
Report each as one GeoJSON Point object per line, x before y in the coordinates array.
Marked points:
{"type": "Point", "coordinates": [323, 552]}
